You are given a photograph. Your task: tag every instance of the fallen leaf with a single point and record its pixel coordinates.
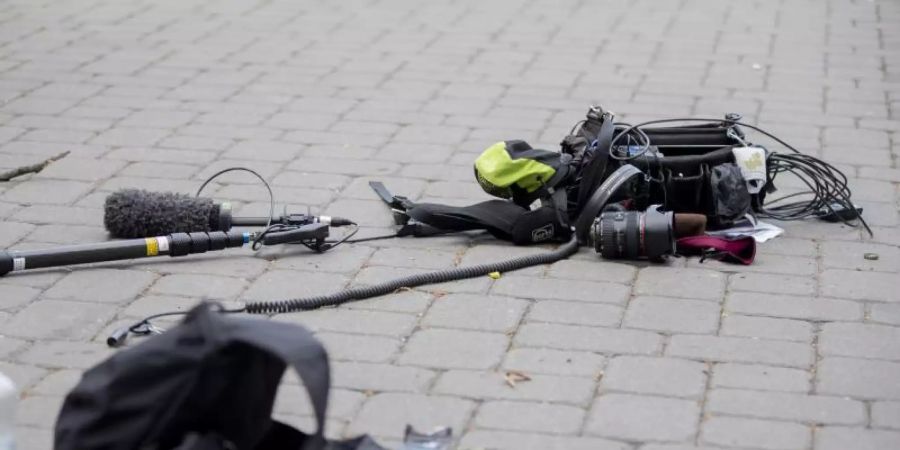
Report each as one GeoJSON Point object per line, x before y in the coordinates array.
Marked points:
{"type": "Point", "coordinates": [514, 376]}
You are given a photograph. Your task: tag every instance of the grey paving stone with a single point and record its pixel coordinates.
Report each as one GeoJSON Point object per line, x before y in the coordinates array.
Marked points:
{"type": "Point", "coordinates": [54, 214]}
{"type": "Point", "coordinates": [292, 399]}
{"type": "Point", "coordinates": [755, 433]}
{"type": "Point", "coordinates": [387, 414]}
{"type": "Point", "coordinates": [58, 136]}
{"type": "Point", "coordinates": [380, 377]}
{"type": "Point", "coordinates": [64, 354]}
{"type": "Point", "coordinates": [643, 418]}
{"type": "Point", "coordinates": [419, 258]}
{"type": "Point", "coordinates": [428, 133]}
{"type": "Point", "coordinates": [151, 304]}
{"type": "Point", "coordinates": [791, 307]}
{"type": "Point", "coordinates": [730, 349]}
{"type": "Point", "coordinates": [23, 376]}
{"type": "Point", "coordinates": [37, 279]}
{"type": "Point", "coordinates": [35, 410]}
{"type": "Point", "coordinates": [554, 362]}
{"type": "Point", "coordinates": [529, 417]}
{"type": "Point", "coordinates": [601, 340]}
{"type": "Point", "coordinates": [205, 286]}
{"type": "Point", "coordinates": [405, 152]}
{"type": "Point", "coordinates": [12, 232]}
{"type": "Point", "coordinates": [10, 345]}
{"type": "Point", "coordinates": [157, 119]}
{"type": "Point", "coordinates": [859, 340]}
{"type": "Point", "coordinates": [592, 271]}
{"type": "Point", "coordinates": [766, 328]}
{"type": "Point", "coordinates": [54, 319]}
{"type": "Point", "coordinates": [679, 447]}
{"type": "Point", "coordinates": [859, 285]}
{"type": "Point", "coordinates": [490, 251]}
{"type": "Point", "coordinates": [263, 150]}
{"type": "Point", "coordinates": [358, 347]}
{"type": "Point", "coordinates": [28, 437]}
{"type": "Point", "coordinates": [493, 385]}
{"type": "Point", "coordinates": [797, 407]}
{"type": "Point", "coordinates": [886, 415]}
{"type": "Point", "coordinates": [378, 274]}
{"type": "Point", "coordinates": [850, 255]}
{"type": "Point", "coordinates": [772, 283]}
{"type": "Point", "coordinates": [858, 378]}
{"type": "Point", "coordinates": [57, 383]}
{"type": "Point", "coordinates": [130, 137]}
{"type": "Point", "coordinates": [159, 170]}
{"type": "Point", "coordinates": [448, 349]}
{"type": "Point", "coordinates": [14, 296]}
{"type": "Point", "coordinates": [228, 263]}
{"type": "Point", "coordinates": [654, 376]}
{"type": "Point", "coordinates": [698, 284]}
{"type": "Point", "coordinates": [53, 192]}
{"type": "Point", "coordinates": [404, 302]}
{"type": "Point", "coordinates": [759, 377]}
{"type": "Point", "coordinates": [531, 441]}
{"type": "Point", "coordinates": [67, 234]}
{"type": "Point", "coordinates": [351, 321]}
{"type": "Point", "coordinates": [101, 286]}
{"type": "Point", "coordinates": [485, 313]}
{"type": "Point", "coordinates": [835, 438]}
{"type": "Point", "coordinates": [586, 291]}
{"type": "Point", "coordinates": [671, 315]}
{"type": "Point", "coordinates": [279, 283]}
{"type": "Point", "coordinates": [346, 260]}
{"type": "Point", "coordinates": [577, 313]}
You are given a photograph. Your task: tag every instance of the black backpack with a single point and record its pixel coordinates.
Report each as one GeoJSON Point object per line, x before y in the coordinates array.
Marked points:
{"type": "Point", "coordinates": [207, 384]}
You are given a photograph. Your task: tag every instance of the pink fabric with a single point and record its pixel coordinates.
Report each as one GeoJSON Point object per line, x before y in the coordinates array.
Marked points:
{"type": "Point", "coordinates": [740, 250]}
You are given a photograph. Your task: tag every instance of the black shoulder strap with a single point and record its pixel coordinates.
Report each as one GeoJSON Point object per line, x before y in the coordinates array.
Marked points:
{"type": "Point", "coordinates": [592, 175]}
{"type": "Point", "coordinates": [601, 197]}
{"type": "Point", "coordinates": [496, 216]}
{"type": "Point", "coordinates": [299, 349]}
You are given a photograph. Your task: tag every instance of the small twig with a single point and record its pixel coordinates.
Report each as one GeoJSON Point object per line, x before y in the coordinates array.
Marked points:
{"type": "Point", "coordinates": [34, 168]}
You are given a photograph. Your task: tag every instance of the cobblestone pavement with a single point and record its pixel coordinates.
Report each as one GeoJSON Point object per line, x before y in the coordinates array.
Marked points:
{"type": "Point", "coordinates": [800, 350]}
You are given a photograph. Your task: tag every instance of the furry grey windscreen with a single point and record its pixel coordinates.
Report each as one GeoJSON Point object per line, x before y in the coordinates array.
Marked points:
{"type": "Point", "coordinates": [136, 213]}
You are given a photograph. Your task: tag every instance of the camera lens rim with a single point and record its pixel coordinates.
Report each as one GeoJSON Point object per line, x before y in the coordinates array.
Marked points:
{"type": "Point", "coordinates": [634, 234]}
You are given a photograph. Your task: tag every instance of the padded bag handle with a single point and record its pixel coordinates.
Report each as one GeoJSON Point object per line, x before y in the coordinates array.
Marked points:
{"type": "Point", "coordinates": [218, 376]}
{"type": "Point", "coordinates": [300, 350]}
{"type": "Point", "coordinates": [595, 172]}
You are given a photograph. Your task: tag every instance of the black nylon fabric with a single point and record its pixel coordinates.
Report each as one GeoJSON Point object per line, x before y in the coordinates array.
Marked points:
{"type": "Point", "coordinates": [208, 382]}
{"type": "Point", "coordinates": [729, 191]}
{"type": "Point", "coordinates": [596, 170]}
{"type": "Point", "coordinates": [503, 219]}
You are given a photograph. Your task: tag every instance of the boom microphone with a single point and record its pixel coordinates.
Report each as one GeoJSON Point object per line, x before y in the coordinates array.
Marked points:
{"type": "Point", "coordinates": [136, 213]}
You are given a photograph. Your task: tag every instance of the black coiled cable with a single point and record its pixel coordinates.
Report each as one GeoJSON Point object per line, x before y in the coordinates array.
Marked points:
{"type": "Point", "coordinates": [439, 276]}
{"type": "Point", "coordinates": [826, 192]}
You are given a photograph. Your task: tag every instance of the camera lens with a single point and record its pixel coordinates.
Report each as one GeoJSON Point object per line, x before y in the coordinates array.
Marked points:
{"type": "Point", "coordinates": [634, 234]}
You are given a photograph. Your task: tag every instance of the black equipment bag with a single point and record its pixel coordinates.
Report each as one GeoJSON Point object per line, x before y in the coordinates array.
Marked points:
{"type": "Point", "coordinates": [207, 384]}
{"type": "Point", "coordinates": [691, 169]}
{"type": "Point", "coordinates": [688, 168]}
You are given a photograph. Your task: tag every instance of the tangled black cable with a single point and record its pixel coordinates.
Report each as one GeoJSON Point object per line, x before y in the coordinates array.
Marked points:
{"type": "Point", "coordinates": [828, 194]}
{"type": "Point", "coordinates": [272, 228]}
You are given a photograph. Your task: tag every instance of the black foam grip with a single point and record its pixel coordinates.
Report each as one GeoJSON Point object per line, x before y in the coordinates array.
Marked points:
{"type": "Point", "coordinates": [199, 242]}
